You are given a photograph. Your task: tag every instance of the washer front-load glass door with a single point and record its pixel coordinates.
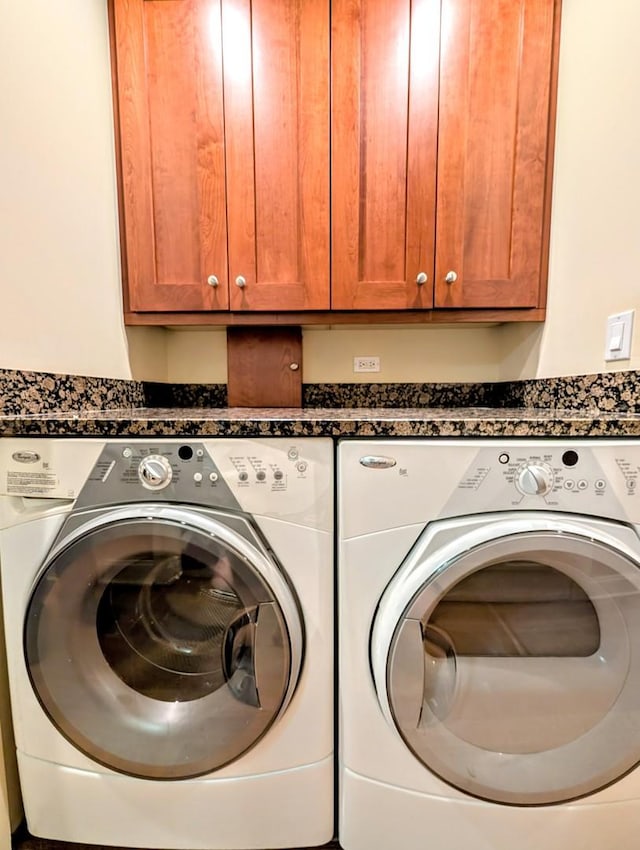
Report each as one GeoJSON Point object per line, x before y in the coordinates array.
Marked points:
{"type": "Point", "coordinates": [161, 642]}
{"type": "Point", "coordinates": [513, 671]}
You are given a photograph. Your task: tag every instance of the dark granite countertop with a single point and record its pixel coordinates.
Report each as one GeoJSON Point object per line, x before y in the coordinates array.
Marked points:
{"type": "Point", "coordinates": [331, 422]}
{"type": "Point", "coordinates": [43, 404]}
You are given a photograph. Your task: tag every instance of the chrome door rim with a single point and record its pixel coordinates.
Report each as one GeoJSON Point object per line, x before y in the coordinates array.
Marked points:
{"type": "Point", "coordinates": [279, 610]}
{"type": "Point", "coordinates": [417, 588]}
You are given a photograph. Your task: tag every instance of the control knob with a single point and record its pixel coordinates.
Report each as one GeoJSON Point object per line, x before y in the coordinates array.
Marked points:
{"type": "Point", "coordinates": [155, 472]}
{"type": "Point", "coordinates": [535, 480]}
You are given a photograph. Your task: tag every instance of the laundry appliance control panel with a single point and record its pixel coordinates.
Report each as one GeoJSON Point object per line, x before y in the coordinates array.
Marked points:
{"type": "Point", "coordinates": [421, 480]}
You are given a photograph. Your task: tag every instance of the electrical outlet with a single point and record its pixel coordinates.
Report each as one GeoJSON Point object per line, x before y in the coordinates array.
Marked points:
{"type": "Point", "coordinates": [366, 364]}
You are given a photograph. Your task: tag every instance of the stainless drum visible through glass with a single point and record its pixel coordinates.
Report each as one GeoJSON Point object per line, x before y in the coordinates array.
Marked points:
{"type": "Point", "coordinates": [159, 647]}
{"type": "Point", "coordinates": [514, 673]}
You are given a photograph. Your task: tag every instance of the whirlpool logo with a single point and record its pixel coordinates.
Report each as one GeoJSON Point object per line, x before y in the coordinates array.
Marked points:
{"type": "Point", "coordinates": [26, 457]}
{"type": "Point", "coordinates": [378, 461]}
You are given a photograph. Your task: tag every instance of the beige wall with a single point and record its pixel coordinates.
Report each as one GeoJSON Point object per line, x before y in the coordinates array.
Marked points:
{"type": "Point", "coordinates": [595, 236]}
{"type": "Point", "coordinates": [59, 264]}
{"type": "Point", "coordinates": [60, 303]}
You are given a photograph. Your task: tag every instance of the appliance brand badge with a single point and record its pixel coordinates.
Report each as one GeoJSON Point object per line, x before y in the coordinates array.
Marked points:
{"type": "Point", "coordinates": [378, 462]}
{"type": "Point", "coordinates": [26, 457]}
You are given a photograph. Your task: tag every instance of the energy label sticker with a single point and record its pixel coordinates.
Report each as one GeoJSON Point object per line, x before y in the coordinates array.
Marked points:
{"type": "Point", "coordinates": [30, 483]}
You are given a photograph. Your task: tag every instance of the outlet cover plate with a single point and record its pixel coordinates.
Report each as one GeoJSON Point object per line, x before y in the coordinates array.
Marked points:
{"type": "Point", "coordinates": [366, 364]}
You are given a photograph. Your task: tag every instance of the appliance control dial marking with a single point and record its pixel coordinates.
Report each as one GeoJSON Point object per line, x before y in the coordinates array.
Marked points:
{"type": "Point", "coordinates": [535, 479]}
{"type": "Point", "coordinates": [155, 472]}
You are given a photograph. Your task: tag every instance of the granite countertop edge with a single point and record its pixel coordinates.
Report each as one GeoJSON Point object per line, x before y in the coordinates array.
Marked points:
{"type": "Point", "coordinates": [329, 422]}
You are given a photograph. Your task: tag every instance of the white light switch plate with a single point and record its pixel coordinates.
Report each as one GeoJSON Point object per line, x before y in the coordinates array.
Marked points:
{"type": "Point", "coordinates": [619, 333]}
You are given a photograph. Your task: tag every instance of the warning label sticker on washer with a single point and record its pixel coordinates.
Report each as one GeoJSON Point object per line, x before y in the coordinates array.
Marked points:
{"type": "Point", "coordinates": [30, 483]}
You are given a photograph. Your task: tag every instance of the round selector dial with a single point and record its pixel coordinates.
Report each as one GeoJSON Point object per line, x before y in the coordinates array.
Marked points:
{"type": "Point", "coordinates": [155, 472]}
{"type": "Point", "coordinates": [535, 479]}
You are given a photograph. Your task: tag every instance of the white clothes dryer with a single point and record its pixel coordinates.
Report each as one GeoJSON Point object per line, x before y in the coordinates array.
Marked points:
{"type": "Point", "coordinates": [169, 627]}
{"type": "Point", "coordinates": [489, 644]}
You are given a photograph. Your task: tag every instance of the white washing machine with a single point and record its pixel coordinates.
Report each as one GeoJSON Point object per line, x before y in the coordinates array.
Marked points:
{"type": "Point", "coordinates": [489, 644]}
{"type": "Point", "coordinates": [169, 626]}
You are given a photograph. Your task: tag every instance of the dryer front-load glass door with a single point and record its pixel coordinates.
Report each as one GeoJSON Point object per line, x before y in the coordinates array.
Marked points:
{"type": "Point", "coordinates": [162, 642]}
{"type": "Point", "coordinates": [513, 671]}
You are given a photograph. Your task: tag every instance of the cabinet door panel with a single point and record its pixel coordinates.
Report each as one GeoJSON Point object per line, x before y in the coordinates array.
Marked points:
{"type": "Point", "coordinates": [276, 71]}
{"type": "Point", "coordinates": [385, 89]}
{"type": "Point", "coordinates": [169, 75]}
{"type": "Point", "coordinates": [495, 82]}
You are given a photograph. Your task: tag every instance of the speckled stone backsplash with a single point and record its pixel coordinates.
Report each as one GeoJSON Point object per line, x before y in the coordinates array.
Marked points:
{"type": "Point", "coordinates": [399, 395]}
{"type": "Point", "coordinates": [185, 395]}
{"type": "Point", "coordinates": [606, 392]}
{"type": "Point", "coordinates": [33, 393]}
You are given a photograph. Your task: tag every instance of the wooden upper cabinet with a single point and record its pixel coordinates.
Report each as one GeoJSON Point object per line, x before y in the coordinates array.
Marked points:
{"type": "Point", "coordinates": [439, 117]}
{"type": "Point", "coordinates": [441, 120]}
{"type": "Point", "coordinates": [494, 123]}
{"type": "Point", "coordinates": [223, 110]}
{"type": "Point", "coordinates": [384, 134]}
{"type": "Point", "coordinates": [170, 106]}
{"type": "Point", "coordinates": [276, 75]}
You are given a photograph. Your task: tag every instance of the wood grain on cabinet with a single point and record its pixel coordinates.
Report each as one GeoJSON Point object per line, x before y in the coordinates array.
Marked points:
{"type": "Point", "coordinates": [441, 125]}
{"type": "Point", "coordinates": [494, 159]}
{"type": "Point", "coordinates": [260, 362]}
{"type": "Point", "coordinates": [474, 82]}
{"type": "Point", "coordinates": [276, 73]}
{"type": "Point", "coordinates": [224, 153]}
{"type": "Point", "coordinates": [170, 103]}
{"type": "Point", "coordinates": [384, 131]}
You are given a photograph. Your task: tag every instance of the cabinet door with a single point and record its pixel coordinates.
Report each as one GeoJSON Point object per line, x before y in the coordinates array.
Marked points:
{"type": "Point", "coordinates": [170, 97]}
{"type": "Point", "coordinates": [384, 113]}
{"type": "Point", "coordinates": [495, 89]}
{"type": "Point", "coordinates": [276, 86]}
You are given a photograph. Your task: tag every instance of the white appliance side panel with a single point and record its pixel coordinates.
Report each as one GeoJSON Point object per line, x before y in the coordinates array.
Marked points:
{"type": "Point", "coordinates": [364, 573]}
{"type": "Point", "coordinates": [376, 816]}
{"type": "Point", "coordinates": [301, 493]}
{"type": "Point", "coordinates": [444, 478]}
{"type": "Point", "coordinates": [289, 808]}
{"type": "Point", "coordinates": [47, 468]}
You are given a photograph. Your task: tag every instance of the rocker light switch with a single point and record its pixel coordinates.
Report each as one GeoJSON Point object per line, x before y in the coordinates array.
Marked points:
{"type": "Point", "coordinates": [619, 331]}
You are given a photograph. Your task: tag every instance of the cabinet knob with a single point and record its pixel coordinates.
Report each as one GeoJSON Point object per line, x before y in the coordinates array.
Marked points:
{"type": "Point", "coordinates": [450, 277]}
{"type": "Point", "coordinates": [421, 278]}
{"type": "Point", "coordinates": [294, 366]}
{"type": "Point", "coordinates": [212, 280]}
{"type": "Point", "coordinates": [241, 281]}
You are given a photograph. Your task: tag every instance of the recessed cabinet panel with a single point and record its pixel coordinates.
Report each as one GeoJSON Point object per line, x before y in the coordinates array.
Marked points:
{"type": "Point", "coordinates": [169, 76]}
{"type": "Point", "coordinates": [384, 111]}
{"type": "Point", "coordinates": [495, 78]}
{"type": "Point", "coordinates": [276, 71]}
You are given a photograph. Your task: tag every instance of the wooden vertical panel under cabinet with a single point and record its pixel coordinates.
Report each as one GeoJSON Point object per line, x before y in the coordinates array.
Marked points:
{"type": "Point", "coordinates": [384, 131]}
{"type": "Point", "coordinates": [168, 61]}
{"type": "Point", "coordinates": [276, 83]}
{"type": "Point", "coordinates": [264, 367]}
{"type": "Point", "coordinates": [496, 66]}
